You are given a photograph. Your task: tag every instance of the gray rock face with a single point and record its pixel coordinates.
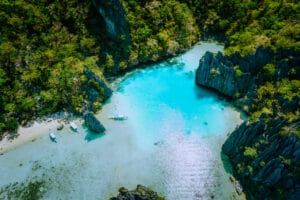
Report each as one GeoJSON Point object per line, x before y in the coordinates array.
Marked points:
{"type": "Point", "coordinates": [265, 154]}
{"type": "Point", "coordinates": [140, 193]}
{"type": "Point", "coordinates": [236, 76]}
{"type": "Point", "coordinates": [93, 123]}
{"type": "Point", "coordinates": [276, 163]}
{"type": "Point", "coordinates": [114, 16]}
{"type": "Point", "coordinates": [218, 73]}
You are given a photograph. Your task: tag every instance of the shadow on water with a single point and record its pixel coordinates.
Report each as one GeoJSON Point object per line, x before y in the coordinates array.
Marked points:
{"type": "Point", "coordinates": [202, 92]}
{"type": "Point", "coordinates": [91, 136]}
{"type": "Point", "coordinates": [226, 163]}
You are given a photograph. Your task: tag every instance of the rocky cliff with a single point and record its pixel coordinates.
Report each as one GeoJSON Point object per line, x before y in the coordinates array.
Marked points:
{"type": "Point", "coordinates": [114, 17]}
{"type": "Point", "coordinates": [240, 77]}
{"type": "Point", "coordinates": [218, 73]}
{"type": "Point", "coordinates": [265, 150]}
{"type": "Point", "coordinates": [266, 157]}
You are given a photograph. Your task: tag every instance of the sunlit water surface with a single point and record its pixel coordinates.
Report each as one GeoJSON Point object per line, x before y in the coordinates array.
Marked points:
{"type": "Point", "coordinates": [171, 141]}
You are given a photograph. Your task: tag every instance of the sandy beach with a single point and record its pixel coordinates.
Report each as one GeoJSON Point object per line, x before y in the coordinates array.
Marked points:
{"type": "Point", "coordinates": [33, 132]}
{"type": "Point", "coordinates": [27, 134]}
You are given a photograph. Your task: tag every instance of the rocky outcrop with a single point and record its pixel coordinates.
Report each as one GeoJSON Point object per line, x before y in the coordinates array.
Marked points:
{"type": "Point", "coordinates": [238, 77]}
{"type": "Point", "coordinates": [114, 16]}
{"type": "Point", "coordinates": [140, 193]}
{"type": "Point", "coordinates": [265, 154]}
{"type": "Point", "coordinates": [93, 123]}
{"type": "Point", "coordinates": [218, 73]}
{"type": "Point", "coordinates": [271, 170]}
{"type": "Point", "coordinates": [96, 90]}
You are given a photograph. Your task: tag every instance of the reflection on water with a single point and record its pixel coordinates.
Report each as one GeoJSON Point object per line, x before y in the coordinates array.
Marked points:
{"type": "Point", "coordinates": [171, 141]}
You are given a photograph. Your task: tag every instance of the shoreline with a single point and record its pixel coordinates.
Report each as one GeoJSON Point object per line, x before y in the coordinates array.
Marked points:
{"type": "Point", "coordinates": [42, 126]}
{"type": "Point", "coordinates": [35, 131]}
{"type": "Point", "coordinates": [27, 134]}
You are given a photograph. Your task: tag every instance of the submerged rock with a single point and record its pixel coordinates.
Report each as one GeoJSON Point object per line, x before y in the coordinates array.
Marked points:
{"type": "Point", "coordinates": [140, 193]}
{"type": "Point", "coordinates": [93, 123]}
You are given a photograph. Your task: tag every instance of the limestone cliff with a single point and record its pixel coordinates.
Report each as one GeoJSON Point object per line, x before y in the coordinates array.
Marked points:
{"type": "Point", "coordinates": [114, 17]}
{"type": "Point", "coordinates": [218, 73]}
{"type": "Point", "coordinates": [264, 152]}
{"type": "Point", "coordinates": [239, 77]}
{"type": "Point", "coordinates": [266, 157]}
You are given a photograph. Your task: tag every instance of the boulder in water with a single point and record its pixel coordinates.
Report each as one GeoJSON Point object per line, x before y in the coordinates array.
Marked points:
{"type": "Point", "coordinates": [93, 123]}
{"type": "Point", "coordinates": [140, 193]}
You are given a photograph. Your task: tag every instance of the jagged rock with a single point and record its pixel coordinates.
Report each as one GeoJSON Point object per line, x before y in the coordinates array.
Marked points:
{"type": "Point", "coordinates": [238, 77]}
{"type": "Point", "coordinates": [114, 16]}
{"type": "Point", "coordinates": [275, 165]}
{"type": "Point", "coordinates": [274, 159]}
{"type": "Point", "coordinates": [96, 89]}
{"type": "Point", "coordinates": [217, 72]}
{"type": "Point", "coordinates": [93, 123]}
{"type": "Point", "coordinates": [140, 193]}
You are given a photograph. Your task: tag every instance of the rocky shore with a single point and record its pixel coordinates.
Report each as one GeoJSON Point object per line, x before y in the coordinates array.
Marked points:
{"type": "Point", "coordinates": [264, 153]}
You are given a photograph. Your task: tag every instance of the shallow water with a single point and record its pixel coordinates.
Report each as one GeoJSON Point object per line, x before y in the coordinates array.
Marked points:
{"type": "Point", "coordinates": [171, 141]}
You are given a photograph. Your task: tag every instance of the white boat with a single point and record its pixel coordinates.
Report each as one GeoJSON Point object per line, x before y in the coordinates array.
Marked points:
{"type": "Point", "coordinates": [52, 136]}
{"type": "Point", "coordinates": [73, 126]}
{"type": "Point", "coordinates": [118, 117]}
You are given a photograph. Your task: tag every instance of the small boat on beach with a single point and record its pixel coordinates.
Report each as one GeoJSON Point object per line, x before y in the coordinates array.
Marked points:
{"type": "Point", "coordinates": [52, 137]}
{"type": "Point", "coordinates": [118, 117]}
{"type": "Point", "coordinates": [73, 126]}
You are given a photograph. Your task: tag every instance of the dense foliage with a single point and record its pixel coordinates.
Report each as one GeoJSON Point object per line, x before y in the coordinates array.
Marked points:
{"type": "Point", "coordinates": [45, 47]}
{"type": "Point", "coordinates": [53, 54]}
{"type": "Point", "coordinates": [159, 28]}
{"type": "Point", "coordinates": [248, 24]}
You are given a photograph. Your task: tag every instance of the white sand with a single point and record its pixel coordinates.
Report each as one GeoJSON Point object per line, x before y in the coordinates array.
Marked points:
{"type": "Point", "coordinates": [31, 133]}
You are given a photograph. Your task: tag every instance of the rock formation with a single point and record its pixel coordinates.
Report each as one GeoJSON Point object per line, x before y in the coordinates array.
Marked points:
{"type": "Point", "coordinates": [273, 167]}
{"type": "Point", "coordinates": [93, 123]}
{"type": "Point", "coordinates": [265, 154]}
{"type": "Point", "coordinates": [95, 88]}
{"type": "Point", "coordinates": [140, 193]}
{"type": "Point", "coordinates": [114, 16]}
{"type": "Point", "coordinates": [218, 73]}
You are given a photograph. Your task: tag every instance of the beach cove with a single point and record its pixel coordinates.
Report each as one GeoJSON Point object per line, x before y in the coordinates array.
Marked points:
{"type": "Point", "coordinates": [171, 141]}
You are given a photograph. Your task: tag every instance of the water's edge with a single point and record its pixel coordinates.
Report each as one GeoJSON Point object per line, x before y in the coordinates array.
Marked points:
{"type": "Point", "coordinates": [177, 155]}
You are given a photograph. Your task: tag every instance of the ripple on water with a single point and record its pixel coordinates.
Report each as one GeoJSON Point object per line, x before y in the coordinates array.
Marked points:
{"type": "Point", "coordinates": [170, 142]}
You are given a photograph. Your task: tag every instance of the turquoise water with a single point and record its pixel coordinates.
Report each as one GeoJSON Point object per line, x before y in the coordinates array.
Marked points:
{"type": "Point", "coordinates": [171, 141]}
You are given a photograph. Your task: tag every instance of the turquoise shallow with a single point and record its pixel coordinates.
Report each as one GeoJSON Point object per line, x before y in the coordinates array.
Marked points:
{"type": "Point", "coordinates": [170, 142]}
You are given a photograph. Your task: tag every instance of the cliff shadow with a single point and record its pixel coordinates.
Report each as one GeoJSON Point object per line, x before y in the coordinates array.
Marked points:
{"type": "Point", "coordinates": [91, 136]}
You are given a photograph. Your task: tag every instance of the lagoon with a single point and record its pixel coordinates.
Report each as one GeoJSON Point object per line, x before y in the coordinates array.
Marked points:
{"type": "Point", "coordinates": [171, 141]}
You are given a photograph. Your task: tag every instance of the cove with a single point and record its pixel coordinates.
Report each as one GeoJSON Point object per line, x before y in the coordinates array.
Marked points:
{"type": "Point", "coordinates": [171, 141]}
